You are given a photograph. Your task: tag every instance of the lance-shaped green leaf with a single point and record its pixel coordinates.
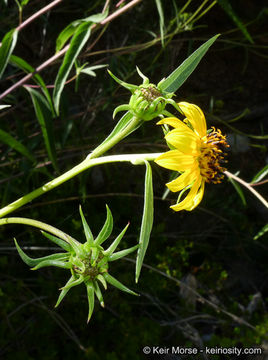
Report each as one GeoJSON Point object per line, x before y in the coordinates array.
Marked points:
{"type": "Point", "coordinates": [120, 254]}
{"type": "Point", "coordinates": [94, 256]}
{"type": "Point", "coordinates": [98, 293]}
{"type": "Point", "coordinates": [70, 29]}
{"type": "Point", "coordinates": [74, 282]}
{"type": "Point", "coordinates": [147, 219]}
{"type": "Point", "coordinates": [78, 41]}
{"type": "Point", "coordinates": [9, 140]}
{"type": "Point", "coordinates": [226, 5]}
{"type": "Point", "coordinates": [111, 280]}
{"type": "Point", "coordinates": [87, 231]}
{"type": "Point", "coordinates": [239, 191]}
{"type": "Point", "coordinates": [64, 291]}
{"type": "Point", "coordinates": [102, 281]}
{"type": "Point", "coordinates": [44, 116]}
{"type": "Point", "coordinates": [115, 243]}
{"type": "Point", "coordinates": [23, 65]}
{"type": "Point", "coordinates": [260, 175]}
{"type": "Point", "coordinates": [90, 297]}
{"type": "Point", "coordinates": [33, 262]}
{"type": "Point", "coordinates": [62, 243]}
{"type": "Point", "coordinates": [106, 229]}
{"type": "Point", "coordinates": [57, 263]}
{"type": "Point", "coordinates": [8, 44]}
{"type": "Point", "coordinates": [181, 74]}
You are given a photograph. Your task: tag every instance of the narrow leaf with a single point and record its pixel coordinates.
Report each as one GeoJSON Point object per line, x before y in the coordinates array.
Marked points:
{"type": "Point", "coordinates": [9, 140]}
{"type": "Point", "coordinates": [111, 280]}
{"type": "Point", "coordinates": [44, 116]}
{"type": "Point", "coordinates": [78, 41]}
{"type": "Point", "coordinates": [8, 44]}
{"type": "Point", "coordinates": [64, 291]}
{"type": "Point", "coordinates": [106, 229]}
{"type": "Point", "coordinates": [23, 65]}
{"type": "Point", "coordinates": [62, 243]}
{"type": "Point", "coordinates": [225, 4]}
{"type": "Point", "coordinates": [147, 219]}
{"type": "Point", "coordinates": [90, 297]}
{"type": "Point", "coordinates": [238, 190]}
{"type": "Point", "coordinates": [261, 232]}
{"type": "Point", "coordinates": [161, 19]}
{"type": "Point", "coordinates": [33, 262]}
{"type": "Point", "coordinates": [115, 243]}
{"type": "Point", "coordinates": [87, 231]}
{"type": "Point", "coordinates": [181, 74]}
{"type": "Point", "coordinates": [120, 254]}
{"type": "Point", "coordinates": [260, 175]}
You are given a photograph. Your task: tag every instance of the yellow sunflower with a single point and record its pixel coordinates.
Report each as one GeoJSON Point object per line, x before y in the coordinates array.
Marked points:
{"type": "Point", "coordinates": [197, 155]}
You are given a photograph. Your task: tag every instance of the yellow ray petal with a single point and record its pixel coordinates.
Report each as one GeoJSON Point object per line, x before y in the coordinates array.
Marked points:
{"type": "Point", "coordinates": [175, 160]}
{"type": "Point", "coordinates": [185, 141]}
{"type": "Point", "coordinates": [198, 197]}
{"type": "Point", "coordinates": [172, 121]}
{"type": "Point", "coordinates": [183, 180]}
{"type": "Point", "coordinates": [196, 117]}
{"type": "Point", "coordinates": [187, 202]}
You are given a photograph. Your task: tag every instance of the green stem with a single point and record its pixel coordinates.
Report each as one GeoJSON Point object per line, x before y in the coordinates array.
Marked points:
{"type": "Point", "coordinates": [40, 225]}
{"type": "Point", "coordinates": [135, 159]}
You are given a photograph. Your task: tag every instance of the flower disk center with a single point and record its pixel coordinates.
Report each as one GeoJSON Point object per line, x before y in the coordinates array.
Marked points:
{"type": "Point", "coordinates": [212, 154]}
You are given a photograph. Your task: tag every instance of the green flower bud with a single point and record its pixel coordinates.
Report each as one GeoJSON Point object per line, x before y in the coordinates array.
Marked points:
{"type": "Point", "coordinates": [147, 101]}
{"type": "Point", "coordinates": [88, 262]}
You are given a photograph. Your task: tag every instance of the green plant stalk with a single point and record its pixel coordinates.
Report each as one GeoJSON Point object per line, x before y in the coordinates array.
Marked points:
{"type": "Point", "coordinates": [101, 149]}
{"type": "Point", "coordinates": [136, 159]}
{"type": "Point", "coordinates": [40, 225]}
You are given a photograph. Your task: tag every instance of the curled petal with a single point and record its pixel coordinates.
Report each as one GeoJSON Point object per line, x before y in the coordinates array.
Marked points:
{"type": "Point", "coordinates": [182, 181]}
{"type": "Point", "coordinates": [188, 202]}
{"type": "Point", "coordinates": [184, 140]}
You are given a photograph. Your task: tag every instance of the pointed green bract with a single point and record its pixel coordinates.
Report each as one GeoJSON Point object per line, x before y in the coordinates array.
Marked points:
{"type": "Point", "coordinates": [33, 262]}
{"type": "Point", "coordinates": [107, 228]}
{"type": "Point", "coordinates": [102, 281]}
{"type": "Point", "coordinates": [49, 262]}
{"type": "Point", "coordinates": [61, 243]}
{"type": "Point", "coordinates": [111, 280]}
{"type": "Point", "coordinates": [73, 283]}
{"type": "Point", "coordinates": [147, 219]}
{"type": "Point", "coordinates": [64, 291]}
{"type": "Point", "coordinates": [181, 74]}
{"type": "Point", "coordinates": [87, 231]}
{"type": "Point", "coordinates": [130, 87]}
{"type": "Point", "coordinates": [120, 254]}
{"type": "Point", "coordinates": [90, 297]}
{"type": "Point", "coordinates": [98, 293]}
{"type": "Point", "coordinates": [115, 243]}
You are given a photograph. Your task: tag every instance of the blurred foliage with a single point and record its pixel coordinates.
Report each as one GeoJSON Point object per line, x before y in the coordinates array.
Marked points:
{"type": "Point", "coordinates": [210, 249]}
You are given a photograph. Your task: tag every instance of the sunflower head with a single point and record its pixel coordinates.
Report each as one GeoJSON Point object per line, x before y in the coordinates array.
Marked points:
{"type": "Point", "coordinates": [197, 154]}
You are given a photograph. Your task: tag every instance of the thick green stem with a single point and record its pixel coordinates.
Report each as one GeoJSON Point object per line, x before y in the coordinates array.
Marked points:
{"type": "Point", "coordinates": [40, 225]}
{"type": "Point", "coordinates": [102, 148]}
{"type": "Point", "coordinates": [84, 165]}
